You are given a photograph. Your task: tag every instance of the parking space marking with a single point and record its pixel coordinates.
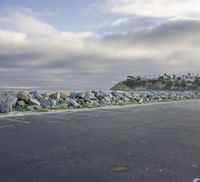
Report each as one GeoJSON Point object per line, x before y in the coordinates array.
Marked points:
{"type": "Point", "coordinates": [6, 126]}
{"type": "Point", "coordinates": [16, 120]}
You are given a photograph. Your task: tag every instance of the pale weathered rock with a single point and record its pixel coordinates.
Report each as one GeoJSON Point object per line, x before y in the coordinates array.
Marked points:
{"type": "Point", "coordinates": [45, 94]}
{"type": "Point", "coordinates": [23, 95]}
{"type": "Point", "coordinates": [64, 94]}
{"type": "Point", "coordinates": [55, 96]}
{"type": "Point", "coordinates": [7, 102]}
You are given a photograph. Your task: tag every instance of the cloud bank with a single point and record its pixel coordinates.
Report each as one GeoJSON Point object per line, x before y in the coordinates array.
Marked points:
{"type": "Point", "coordinates": [35, 53]}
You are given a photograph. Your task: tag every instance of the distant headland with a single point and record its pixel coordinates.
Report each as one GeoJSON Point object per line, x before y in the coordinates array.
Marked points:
{"type": "Point", "coordinates": [163, 82]}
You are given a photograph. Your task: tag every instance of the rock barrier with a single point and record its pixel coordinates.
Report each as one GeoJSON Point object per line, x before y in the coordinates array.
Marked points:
{"type": "Point", "coordinates": [35, 101]}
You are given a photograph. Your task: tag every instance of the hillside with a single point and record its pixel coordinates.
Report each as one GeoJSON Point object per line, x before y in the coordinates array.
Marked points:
{"type": "Point", "coordinates": [164, 82]}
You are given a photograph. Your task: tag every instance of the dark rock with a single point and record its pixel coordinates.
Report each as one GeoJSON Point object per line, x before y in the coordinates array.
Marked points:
{"type": "Point", "coordinates": [44, 102]}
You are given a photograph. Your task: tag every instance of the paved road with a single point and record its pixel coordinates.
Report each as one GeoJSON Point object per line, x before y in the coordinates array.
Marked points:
{"type": "Point", "coordinates": [151, 143]}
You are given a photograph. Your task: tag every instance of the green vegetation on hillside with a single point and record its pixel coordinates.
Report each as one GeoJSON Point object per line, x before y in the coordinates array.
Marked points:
{"type": "Point", "coordinates": [164, 82]}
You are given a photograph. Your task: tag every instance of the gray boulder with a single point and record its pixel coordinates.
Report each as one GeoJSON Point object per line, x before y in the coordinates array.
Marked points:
{"type": "Point", "coordinates": [72, 102]}
{"type": "Point", "coordinates": [73, 94]}
{"type": "Point", "coordinates": [7, 102]}
{"type": "Point", "coordinates": [36, 107]}
{"type": "Point", "coordinates": [33, 101]}
{"type": "Point", "coordinates": [20, 103]}
{"type": "Point", "coordinates": [118, 94]}
{"type": "Point", "coordinates": [53, 103]}
{"type": "Point", "coordinates": [44, 102]}
{"type": "Point", "coordinates": [30, 108]}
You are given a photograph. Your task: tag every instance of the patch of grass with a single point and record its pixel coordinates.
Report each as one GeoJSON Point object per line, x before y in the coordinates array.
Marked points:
{"type": "Point", "coordinates": [42, 110]}
{"type": "Point", "coordinates": [120, 103]}
{"type": "Point", "coordinates": [87, 105]}
{"type": "Point", "coordinates": [22, 109]}
{"type": "Point", "coordinates": [134, 101]}
{"type": "Point", "coordinates": [61, 107]}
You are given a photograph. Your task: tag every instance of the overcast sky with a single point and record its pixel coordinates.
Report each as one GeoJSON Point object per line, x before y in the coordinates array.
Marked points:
{"type": "Point", "coordinates": [93, 44]}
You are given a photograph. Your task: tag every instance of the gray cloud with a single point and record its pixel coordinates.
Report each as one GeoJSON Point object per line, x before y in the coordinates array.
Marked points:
{"type": "Point", "coordinates": [85, 60]}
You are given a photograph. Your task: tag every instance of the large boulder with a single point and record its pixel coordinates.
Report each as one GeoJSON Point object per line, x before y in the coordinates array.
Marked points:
{"type": "Point", "coordinates": [30, 108]}
{"type": "Point", "coordinates": [55, 96]}
{"type": "Point", "coordinates": [45, 94]}
{"type": "Point", "coordinates": [23, 95]}
{"type": "Point", "coordinates": [7, 102]}
{"type": "Point", "coordinates": [20, 103]}
{"type": "Point", "coordinates": [44, 102]}
{"type": "Point", "coordinates": [33, 101]}
{"type": "Point", "coordinates": [73, 94]}
{"type": "Point", "coordinates": [118, 94]}
{"type": "Point", "coordinates": [72, 102]}
{"type": "Point", "coordinates": [64, 94]}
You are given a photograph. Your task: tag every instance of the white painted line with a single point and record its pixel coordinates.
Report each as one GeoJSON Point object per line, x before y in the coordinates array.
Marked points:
{"type": "Point", "coordinates": [16, 120]}
{"type": "Point", "coordinates": [6, 126]}
{"type": "Point", "coordinates": [55, 117]}
{"type": "Point", "coordinates": [196, 180]}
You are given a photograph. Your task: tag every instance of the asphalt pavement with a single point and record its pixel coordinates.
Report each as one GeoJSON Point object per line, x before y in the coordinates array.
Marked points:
{"type": "Point", "coordinates": [150, 143]}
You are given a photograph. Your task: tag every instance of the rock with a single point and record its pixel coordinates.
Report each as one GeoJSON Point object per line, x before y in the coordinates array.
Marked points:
{"type": "Point", "coordinates": [55, 96]}
{"type": "Point", "coordinates": [36, 107]}
{"type": "Point", "coordinates": [30, 108]}
{"type": "Point", "coordinates": [118, 94]}
{"type": "Point", "coordinates": [20, 103]}
{"type": "Point", "coordinates": [101, 94]}
{"type": "Point", "coordinates": [87, 98]}
{"type": "Point", "coordinates": [64, 94]}
{"type": "Point", "coordinates": [45, 94]}
{"type": "Point", "coordinates": [53, 103]}
{"type": "Point", "coordinates": [80, 101]}
{"type": "Point", "coordinates": [72, 102]}
{"type": "Point", "coordinates": [33, 101]}
{"type": "Point", "coordinates": [7, 102]}
{"type": "Point", "coordinates": [44, 102]}
{"type": "Point", "coordinates": [73, 95]}
{"type": "Point", "coordinates": [23, 95]}
{"type": "Point", "coordinates": [13, 93]}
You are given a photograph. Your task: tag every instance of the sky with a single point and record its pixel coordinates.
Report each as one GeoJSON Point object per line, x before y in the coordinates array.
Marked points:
{"type": "Point", "coordinates": [93, 44]}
